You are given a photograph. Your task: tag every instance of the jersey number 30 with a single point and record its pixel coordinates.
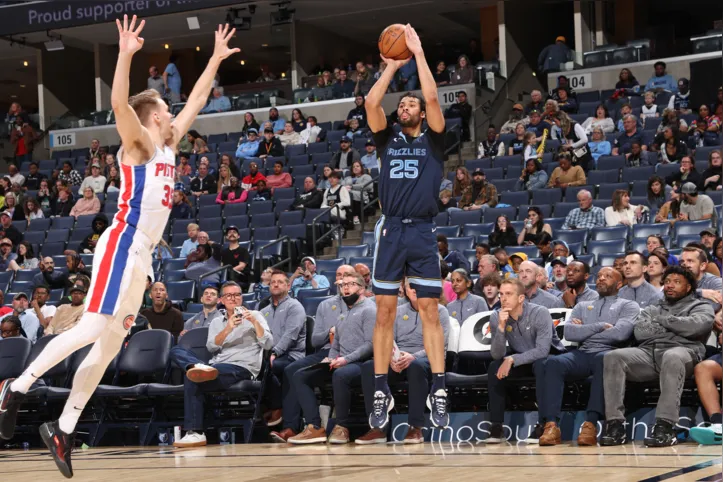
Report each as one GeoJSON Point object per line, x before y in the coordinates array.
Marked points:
{"type": "Point", "coordinates": [408, 168]}
{"type": "Point", "coordinates": [167, 200]}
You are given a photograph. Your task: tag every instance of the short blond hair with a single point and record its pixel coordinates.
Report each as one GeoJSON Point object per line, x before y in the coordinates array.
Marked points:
{"type": "Point", "coordinates": [144, 103]}
{"type": "Point", "coordinates": [516, 283]}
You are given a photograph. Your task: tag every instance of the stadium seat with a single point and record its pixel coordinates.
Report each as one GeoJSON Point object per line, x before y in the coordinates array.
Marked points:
{"type": "Point", "coordinates": [210, 211]}
{"type": "Point", "coordinates": [530, 251]}
{"type": "Point", "coordinates": [261, 207]}
{"type": "Point", "coordinates": [515, 198]}
{"type": "Point", "coordinates": [477, 229]}
{"type": "Point", "coordinates": [483, 164]}
{"type": "Point", "coordinates": [449, 231]}
{"type": "Point", "coordinates": [494, 173]}
{"type": "Point", "coordinates": [645, 230]}
{"type": "Point", "coordinates": [509, 163]}
{"type": "Point", "coordinates": [265, 233]}
{"type": "Point", "coordinates": [457, 218]}
{"type": "Point", "coordinates": [606, 247]}
{"type": "Point", "coordinates": [14, 353]}
{"type": "Point", "coordinates": [317, 148]}
{"type": "Point", "coordinates": [42, 224]}
{"type": "Point", "coordinates": [605, 260]}
{"type": "Point", "coordinates": [571, 192]}
{"type": "Point", "coordinates": [210, 224]}
{"type": "Point", "coordinates": [263, 220]}
{"type": "Point", "coordinates": [681, 241]}
{"type": "Point", "coordinates": [491, 214]}
{"type": "Point", "coordinates": [235, 209]}
{"type": "Point", "coordinates": [546, 196]}
{"type": "Point", "coordinates": [329, 265]}
{"type": "Point", "coordinates": [563, 209]}
{"type": "Point", "coordinates": [632, 174]}
{"type": "Point", "coordinates": [365, 260]}
{"type": "Point", "coordinates": [610, 162]}
{"type": "Point", "coordinates": [347, 252]}
{"type": "Point", "coordinates": [598, 178]}
{"type": "Point", "coordinates": [504, 185]}
{"type": "Point", "coordinates": [461, 243]}
{"type": "Point", "coordinates": [52, 249]}
{"type": "Point", "coordinates": [572, 235]}
{"type": "Point", "coordinates": [605, 191]}
{"type": "Point", "coordinates": [311, 304]}
{"type": "Point", "coordinates": [690, 227]}
{"type": "Point", "coordinates": [311, 293]}
{"type": "Point", "coordinates": [665, 170]}
{"type": "Point", "coordinates": [608, 233]}
{"type": "Point", "coordinates": [179, 292]}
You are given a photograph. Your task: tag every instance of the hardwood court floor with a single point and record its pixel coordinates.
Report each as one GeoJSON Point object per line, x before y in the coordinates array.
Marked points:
{"type": "Point", "coordinates": [428, 462]}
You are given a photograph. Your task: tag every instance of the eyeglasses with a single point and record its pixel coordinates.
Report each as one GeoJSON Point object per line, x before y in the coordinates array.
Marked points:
{"type": "Point", "coordinates": [348, 285]}
{"type": "Point", "coordinates": [233, 295]}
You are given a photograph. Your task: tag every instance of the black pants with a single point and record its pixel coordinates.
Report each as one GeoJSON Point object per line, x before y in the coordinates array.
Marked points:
{"type": "Point", "coordinates": [498, 387]}
{"type": "Point", "coordinates": [276, 386]}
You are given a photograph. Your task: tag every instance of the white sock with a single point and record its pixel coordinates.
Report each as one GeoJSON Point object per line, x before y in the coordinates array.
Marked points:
{"type": "Point", "coordinates": [88, 329]}
{"type": "Point", "coordinates": [88, 376]}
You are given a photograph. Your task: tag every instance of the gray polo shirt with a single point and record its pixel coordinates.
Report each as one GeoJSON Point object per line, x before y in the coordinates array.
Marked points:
{"type": "Point", "coordinates": [327, 315]}
{"type": "Point", "coordinates": [586, 295]}
{"type": "Point", "coordinates": [408, 329]}
{"type": "Point", "coordinates": [200, 319]}
{"type": "Point", "coordinates": [156, 84]}
{"type": "Point", "coordinates": [241, 347]}
{"type": "Point", "coordinates": [703, 206]}
{"type": "Point", "coordinates": [644, 295]}
{"type": "Point", "coordinates": [530, 337]}
{"type": "Point", "coordinates": [592, 335]}
{"type": "Point", "coordinates": [548, 300]}
{"type": "Point", "coordinates": [463, 309]}
{"type": "Point", "coordinates": [710, 282]}
{"type": "Point", "coordinates": [288, 325]}
{"type": "Point", "coordinates": [354, 331]}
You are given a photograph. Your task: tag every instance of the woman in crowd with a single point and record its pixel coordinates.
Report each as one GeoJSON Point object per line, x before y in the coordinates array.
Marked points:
{"type": "Point", "coordinates": [655, 243]}
{"type": "Point", "coordinates": [504, 234]}
{"type": "Point", "coordinates": [224, 178]}
{"type": "Point", "coordinates": [441, 76]}
{"type": "Point", "coordinates": [658, 192]}
{"type": "Point", "coordinates": [622, 212]}
{"type": "Point", "coordinates": [197, 141]}
{"type": "Point", "coordinates": [656, 267]}
{"type": "Point", "coordinates": [109, 162]}
{"type": "Point", "coordinates": [360, 186]}
{"type": "Point", "coordinates": [232, 194]}
{"type": "Point", "coordinates": [533, 177]}
{"type": "Point", "coordinates": [712, 122]}
{"type": "Point", "coordinates": [113, 182]}
{"type": "Point", "coordinates": [324, 183]}
{"type": "Point", "coordinates": [711, 177]}
{"type": "Point", "coordinates": [25, 258]}
{"type": "Point", "coordinates": [686, 173]}
{"type": "Point", "coordinates": [517, 145]}
{"type": "Point", "coordinates": [670, 119]}
{"type": "Point", "coordinates": [466, 304]}
{"type": "Point", "coordinates": [602, 120]}
{"type": "Point", "coordinates": [227, 161]}
{"type": "Point", "coordinates": [88, 204]}
{"type": "Point", "coordinates": [565, 174]}
{"type": "Point", "coordinates": [463, 73]}
{"type": "Point", "coordinates": [336, 195]}
{"type": "Point", "coordinates": [599, 146]}
{"type": "Point", "coordinates": [16, 212]}
{"type": "Point", "coordinates": [32, 209]}
{"type": "Point", "coordinates": [298, 120]}
{"type": "Point", "coordinates": [626, 80]}
{"type": "Point", "coordinates": [672, 150]}
{"type": "Point", "coordinates": [181, 208]}
{"type": "Point", "coordinates": [534, 227]}
{"type": "Point", "coordinates": [669, 211]}
{"type": "Point", "coordinates": [45, 197]}
{"type": "Point", "coordinates": [574, 140]}
{"type": "Point", "coordinates": [462, 180]}
{"type": "Point", "coordinates": [249, 123]}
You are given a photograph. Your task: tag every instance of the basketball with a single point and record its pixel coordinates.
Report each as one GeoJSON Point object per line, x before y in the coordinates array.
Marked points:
{"type": "Point", "coordinates": [392, 44]}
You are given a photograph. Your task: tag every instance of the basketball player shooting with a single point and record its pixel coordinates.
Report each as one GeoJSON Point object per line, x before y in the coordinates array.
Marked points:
{"type": "Point", "coordinates": [122, 258]}
{"type": "Point", "coordinates": [411, 171]}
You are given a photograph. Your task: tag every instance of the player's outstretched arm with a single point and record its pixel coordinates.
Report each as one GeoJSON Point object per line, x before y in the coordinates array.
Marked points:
{"type": "Point", "coordinates": [127, 122]}
{"type": "Point", "coordinates": [435, 117]}
{"type": "Point", "coordinates": [199, 94]}
{"type": "Point", "coordinates": [376, 119]}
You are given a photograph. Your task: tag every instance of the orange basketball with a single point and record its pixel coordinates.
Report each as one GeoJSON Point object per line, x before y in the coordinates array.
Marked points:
{"type": "Point", "coordinates": [392, 44]}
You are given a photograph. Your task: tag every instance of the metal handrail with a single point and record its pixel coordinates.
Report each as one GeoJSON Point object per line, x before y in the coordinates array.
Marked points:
{"type": "Point", "coordinates": [371, 201]}
{"type": "Point", "coordinates": [206, 275]}
{"type": "Point", "coordinates": [276, 241]}
{"type": "Point", "coordinates": [314, 221]}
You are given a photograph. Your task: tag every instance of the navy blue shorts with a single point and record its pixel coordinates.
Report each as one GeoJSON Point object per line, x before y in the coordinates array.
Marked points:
{"type": "Point", "coordinates": [718, 358]}
{"type": "Point", "coordinates": [406, 247]}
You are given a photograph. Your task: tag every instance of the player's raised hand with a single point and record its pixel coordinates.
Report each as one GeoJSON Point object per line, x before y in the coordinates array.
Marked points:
{"type": "Point", "coordinates": [413, 43]}
{"type": "Point", "coordinates": [395, 64]}
{"type": "Point", "coordinates": [129, 41]}
{"type": "Point", "coordinates": [221, 49]}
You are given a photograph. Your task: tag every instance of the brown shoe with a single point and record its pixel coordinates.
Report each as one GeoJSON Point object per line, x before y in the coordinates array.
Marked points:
{"type": "Point", "coordinates": [588, 435]}
{"type": "Point", "coordinates": [283, 436]}
{"type": "Point", "coordinates": [373, 436]}
{"type": "Point", "coordinates": [200, 373]}
{"type": "Point", "coordinates": [414, 436]}
{"type": "Point", "coordinates": [310, 435]}
{"type": "Point", "coordinates": [340, 435]}
{"type": "Point", "coordinates": [551, 435]}
{"type": "Point", "coordinates": [274, 418]}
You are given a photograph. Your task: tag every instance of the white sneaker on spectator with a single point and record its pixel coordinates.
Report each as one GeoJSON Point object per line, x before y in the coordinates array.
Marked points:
{"type": "Point", "coordinates": [356, 220]}
{"type": "Point", "coordinates": [200, 373]}
{"type": "Point", "coordinates": [191, 439]}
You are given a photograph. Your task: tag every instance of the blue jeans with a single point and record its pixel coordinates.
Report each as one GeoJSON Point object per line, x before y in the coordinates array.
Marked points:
{"type": "Point", "coordinates": [342, 380]}
{"type": "Point", "coordinates": [498, 388]}
{"type": "Point", "coordinates": [277, 386]}
{"type": "Point", "coordinates": [290, 402]}
{"type": "Point", "coordinates": [194, 393]}
{"type": "Point", "coordinates": [574, 365]}
{"type": "Point", "coordinates": [418, 374]}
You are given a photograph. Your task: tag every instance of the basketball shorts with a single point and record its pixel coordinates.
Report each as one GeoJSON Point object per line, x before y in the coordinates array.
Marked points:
{"type": "Point", "coordinates": [121, 264]}
{"type": "Point", "coordinates": [406, 247]}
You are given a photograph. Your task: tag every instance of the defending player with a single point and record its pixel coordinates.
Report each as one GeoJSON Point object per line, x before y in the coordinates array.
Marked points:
{"type": "Point", "coordinates": [411, 169]}
{"type": "Point", "coordinates": [123, 254]}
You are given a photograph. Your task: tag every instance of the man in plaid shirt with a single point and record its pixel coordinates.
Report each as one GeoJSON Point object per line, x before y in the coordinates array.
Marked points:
{"type": "Point", "coordinates": [70, 175]}
{"type": "Point", "coordinates": [586, 216]}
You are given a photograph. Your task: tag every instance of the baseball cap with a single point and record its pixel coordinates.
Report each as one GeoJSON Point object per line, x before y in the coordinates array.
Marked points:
{"type": "Point", "coordinates": [313, 261]}
{"type": "Point", "coordinates": [522, 256]}
{"type": "Point", "coordinates": [559, 260]}
{"type": "Point", "coordinates": [535, 111]}
{"type": "Point", "coordinates": [95, 164]}
{"type": "Point", "coordinates": [478, 171]}
{"type": "Point", "coordinates": [5, 213]}
{"type": "Point", "coordinates": [683, 81]}
{"type": "Point", "coordinates": [253, 130]}
{"type": "Point", "coordinates": [518, 107]}
{"type": "Point", "coordinates": [559, 241]}
{"type": "Point", "coordinates": [689, 188]}
{"type": "Point", "coordinates": [345, 139]}
{"type": "Point", "coordinates": [708, 232]}
{"type": "Point", "coordinates": [560, 38]}
{"type": "Point", "coordinates": [231, 228]}
{"type": "Point", "coordinates": [369, 142]}
{"type": "Point", "coordinates": [77, 288]}
{"type": "Point", "coordinates": [5, 241]}
{"type": "Point", "coordinates": [268, 129]}
{"type": "Point", "coordinates": [20, 295]}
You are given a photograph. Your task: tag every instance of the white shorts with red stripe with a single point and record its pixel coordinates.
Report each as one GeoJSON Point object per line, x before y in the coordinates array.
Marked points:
{"type": "Point", "coordinates": [121, 264]}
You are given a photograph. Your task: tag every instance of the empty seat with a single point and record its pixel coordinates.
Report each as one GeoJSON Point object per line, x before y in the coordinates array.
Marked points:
{"type": "Point", "coordinates": [329, 264]}
{"type": "Point", "coordinates": [461, 243]}
{"type": "Point", "coordinates": [347, 252]}
{"type": "Point", "coordinates": [451, 231]}
{"type": "Point", "coordinates": [572, 235]}
{"type": "Point", "coordinates": [491, 214]}
{"type": "Point", "coordinates": [546, 196]}
{"type": "Point", "coordinates": [515, 198]}
{"type": "Point", "coordinates": [563, 209]}
{"type": "Point", "coordinates": [611, 246]}
{"type": "Point", "coordinates": [465, 217]}
{"type": "Point", "coordinates": [263, 220]}
{"type": "Point", "coordinates": [608, 233]}
{"type": "Point", "coordinates": [603, 177]}
{"type": "Point", "coordinates": [610, 162]}
{"type": "Point", "coordinates": [605, 191]}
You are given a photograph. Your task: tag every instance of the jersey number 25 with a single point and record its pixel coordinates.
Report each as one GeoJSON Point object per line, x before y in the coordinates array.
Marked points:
{"type": "Point", "coordinates": [408, 168]}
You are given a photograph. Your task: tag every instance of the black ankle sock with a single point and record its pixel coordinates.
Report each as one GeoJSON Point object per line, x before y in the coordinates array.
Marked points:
{"type": "Point", "coordinates": [437, 381]}
{"type": "Point", "coordinates": [716, 418]}
{"type": "Point", "coordinates": [380, 383]}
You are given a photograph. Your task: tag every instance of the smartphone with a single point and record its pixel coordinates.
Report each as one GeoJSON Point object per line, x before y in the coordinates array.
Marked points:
{"type": "Point", "coordinates": [239, 310]}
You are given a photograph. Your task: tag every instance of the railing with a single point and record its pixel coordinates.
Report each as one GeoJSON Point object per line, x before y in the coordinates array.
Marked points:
{"type": "Point", "coordinates": [286, 260]}
{"type": "Point", "coordinates": [366, 205]}
{"type": "Point", "coordinates": [333, 230]}
{"type": "Point", "coordinates": [199, 291]}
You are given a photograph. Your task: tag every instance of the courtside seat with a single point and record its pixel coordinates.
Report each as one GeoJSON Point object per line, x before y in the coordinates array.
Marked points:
{"type": "Point", "coordinates": [474, 344]}
{"type": "Point", "coordinates": [194, 340]}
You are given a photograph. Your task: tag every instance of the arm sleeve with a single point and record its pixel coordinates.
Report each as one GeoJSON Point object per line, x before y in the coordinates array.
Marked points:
{"type": "Point", "coordinates": [537, 181]}
{"type": "Point", "coordinates": [580, 178]}
{"type": "Point", "coordinates": [381, 138]}
{"type": "Point", "coordinates": [499, 340]}
{"type": "Point", "coordinates": [321, 334]}
{"type": "Point", "coordinates": [345, 199]}
{"type": "Point", "coordinates": [295, 319]}
{"type": "Point", "coordinates": [366, 349]}
{"type": "Point", "coordinates": [622, 330]}
{"type": "Point", "coordinates": [699, 321]}
{"type": "Point", "coordinates": [334, 351]}
{"type": "Point", "coordinates": [267, 340]}
{"type": "Point", "coordinates": [322, 282]}
{"type": "Point", "coordinates": [543, 340]}
{"type": "Point", "coordinates": [580, 333]}
{"type": "Point", "coordinates": [213, 330]}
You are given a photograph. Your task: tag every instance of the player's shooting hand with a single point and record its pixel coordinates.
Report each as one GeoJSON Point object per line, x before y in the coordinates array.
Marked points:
{"type": "Point", "coordinates": [413, 43]}
{"type": "Point", "coordinates": [221, 49]}
{"type": "Point", "coordinates": [129, 42]}
{"type": "Point", "coordinates": [395, 64]}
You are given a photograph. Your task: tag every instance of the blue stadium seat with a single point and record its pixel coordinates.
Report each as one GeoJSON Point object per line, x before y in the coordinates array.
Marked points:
{"type": "Point", "coordinates": [34, 237]}
{"type": "Point", "coordinates": [311, 214]}
{"type": "Point", "coordinates": [25, 274]}
{"type": "Point", "coordinates": [62, 223]}
{"type": "Point", "coordinates": [52, 249]}
{"type": "Point", "coordinates": [368, 237]}
{"type": "Point", "coordinates": [605, 191]}
{"type": "Point", "coordinates": [291, 217]}
{"type": "Point", "coordinates": [461, 243]}
{"type": "Point", "coordinates": [563, 209]}
{"type": "Point", "coordinates": [14, 353]}
{"type": "Point", "coordinates": [261, 207]}
{"type": "Point", "coordinates": [508, 162]}
{"type": "Point", "coordinates": [603, 177]}
{"type": "Point", "coordinates": [632, 174]}
{"type": "Point", "coordinates": [180, 226]}
{"type": "Point", "coordinates": [608, 233]}
{"type": "Point", "coordinates": [605, 260]}
{"type": "Point", "coordinates": [530, 251]}
{"type": "Point", "coordinates": [240, 222]}
{"type": "Point", "coordinates": [263, 220]}
{"type": "Point", "coordinates": [451, 231]}
{"type": "Point", "coordinates": [493, 174]}
{"type": "Point", "coordinates": [645, 230]}
{"type": "Point", "coordinates": [610, 162]}
{"type": "Point", "coordinates": [683, 239]}
{"type": "Point", "coordinates": [545, 208]}
{"type": "Point", "coordinates": [77, 235]}
{"type": "Point", "coordinates": [665, 170]}
{"type": "Point", "coordinates": [464, 217]}
{"type": "Point", "coordinates": [42, 224]}
{"type": "Point", "coordinates": [347, 252]}
{"type": "Point", "coordinates": [606, 247]}
{"type": "Point", "coordinates": [515, 198]}
{"type": "Point", "coordinates": [690, 227]}
{"type": "Point", "coordinates": [317, 148]}
{"type": "Point", "coordinates": [652, 123]}
{"type": "Point", "coordinates": [298, 160]}
{"type": "Point", "coordinates": [22, 287]}
{"type": "Point", "coordinates": [321, 158]}
{"type": "Point", "coordinates": [483, 164]}
{"type": "Point", "coordinates": [235, 209]}
{"type": "Point", "coordinates": [329, 265]}
{"type": "Point", "coordinates": [477, 229]}
{"type": "Point", "coordinates": [546, 196]}
{"type": "Point", "coordinates": [266, 233]}
{"type": "Point", "coordinates": [206, 200]}
{"type": "Point", "coordinates": [311, 293]}
{"type": "Point", "coordinates": [491, 214]}
{"type": "Point", "coordinates": [294, 231]}
{"type": "Point", "coordinates": [311, 303]}
{"type": "Point", "coordinates": [179, 292]}
{"type": "Point", "coordinates": [572, 191]}
{"type": "Point", "coordinates": [295, 150]}
{"type": "Point", "coordinates": [210, 224]}
{"type": "Point", "coordinates": [282, 205]}
{"type": "Point", "coordinates": [210, 211]}
{"type": "Point", "coordinates": [283, 193]}
{"type": "Point", "coordinates": [365, 260]}
{"type": "Point", "coordinates": [572, 235]}
{"type": "Point", "coordinates": [174, 275]}
{"type": "Point", "coordinates": [441, 219]}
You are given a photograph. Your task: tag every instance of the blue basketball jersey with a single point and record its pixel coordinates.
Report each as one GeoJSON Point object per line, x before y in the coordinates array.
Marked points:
{"type": "Point", "coordinates": [411, 172]}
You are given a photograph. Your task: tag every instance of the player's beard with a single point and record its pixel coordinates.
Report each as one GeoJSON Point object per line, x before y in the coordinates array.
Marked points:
{"type": "Point", "coordinates": [413, 121]}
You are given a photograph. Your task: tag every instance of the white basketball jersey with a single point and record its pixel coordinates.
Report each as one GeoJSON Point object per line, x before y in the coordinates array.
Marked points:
{"type": "Point", "coordinates": [146, 194]}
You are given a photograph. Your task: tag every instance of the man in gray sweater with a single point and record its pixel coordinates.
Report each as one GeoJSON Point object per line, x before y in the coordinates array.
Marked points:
{"type": "Point", "coordinates": [528, 275]}
{"type": "Point", "coordinates": [208, 313]}
{"type": "Point", "coordinates": [409, 362]}
{"type": "Point", "coordinates": [709, 286]}
{"type": "Point", "coordinates": [598, 326]}
{"type": "Point", "coordinates": [671, 337]}
{"type": "Point", "coordinates": [577, 289]}
{"type": "Point", "coordinates": [236, 343]}
{"type": "Point", "coordinates": [328, 314]}
{"type": "Point", "coordinates": [636, 288]}
{"type": "Point", "coordinates": [352, 346]}
{"type": "Point", "coordinates": [287, 321]}
{"type": "Point", "coordinates": [529, 331]}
